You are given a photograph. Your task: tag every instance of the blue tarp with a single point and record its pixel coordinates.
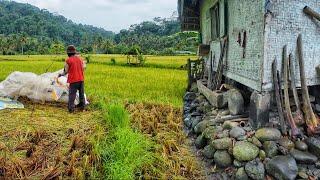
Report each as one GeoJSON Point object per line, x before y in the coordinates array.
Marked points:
{"type": "Point", "coordinates": [7, 103]}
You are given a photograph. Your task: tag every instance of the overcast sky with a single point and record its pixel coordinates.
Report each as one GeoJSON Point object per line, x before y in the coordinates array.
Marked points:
{"type": "Point", "coordinates": [111, 15]}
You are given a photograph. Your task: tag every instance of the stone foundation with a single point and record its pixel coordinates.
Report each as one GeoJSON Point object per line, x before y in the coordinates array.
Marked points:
{"type": "Point", "coordinates": [240, 151]}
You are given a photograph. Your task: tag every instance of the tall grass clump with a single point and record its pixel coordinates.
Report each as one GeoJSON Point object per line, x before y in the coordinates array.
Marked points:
{"type": "Point", "coordinates": [125, 153]}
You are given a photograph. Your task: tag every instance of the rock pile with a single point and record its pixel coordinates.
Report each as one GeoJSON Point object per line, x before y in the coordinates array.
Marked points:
{"type": "Point", "coordinates": [239, 152]}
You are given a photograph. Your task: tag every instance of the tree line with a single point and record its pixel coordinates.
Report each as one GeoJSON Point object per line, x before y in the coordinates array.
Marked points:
{"type": "Point", "coordinates": [26, 29]}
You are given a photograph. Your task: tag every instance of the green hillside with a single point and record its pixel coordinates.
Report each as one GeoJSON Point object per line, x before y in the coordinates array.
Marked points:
{"type": "Point", "coordinates": [26, 29]}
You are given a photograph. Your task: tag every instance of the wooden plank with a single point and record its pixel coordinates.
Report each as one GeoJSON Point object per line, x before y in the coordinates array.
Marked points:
{"type": "Point", "coordinates": [215, 98]}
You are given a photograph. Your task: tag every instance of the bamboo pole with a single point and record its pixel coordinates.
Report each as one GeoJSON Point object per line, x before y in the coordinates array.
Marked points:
{"type": "Point", "coordinates": [311, 12]}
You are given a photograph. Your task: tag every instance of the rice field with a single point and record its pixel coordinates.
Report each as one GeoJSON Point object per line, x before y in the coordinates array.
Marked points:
{"type": "Point", "coordinates": [153, 84]}
{"type": "Point", "coordinates": [134, 121]}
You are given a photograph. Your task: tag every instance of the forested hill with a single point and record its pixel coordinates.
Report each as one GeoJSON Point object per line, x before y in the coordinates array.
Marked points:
{"type": "Point", "coordinates": [26, 29]}
{"type": "Point", "coordinates": [27, 20]}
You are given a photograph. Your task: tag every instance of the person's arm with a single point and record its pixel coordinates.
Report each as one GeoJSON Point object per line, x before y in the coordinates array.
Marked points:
{"type": "Point", "coordinates": [65, 70]}
{"type": "Point", "coordinates": [84, 65]}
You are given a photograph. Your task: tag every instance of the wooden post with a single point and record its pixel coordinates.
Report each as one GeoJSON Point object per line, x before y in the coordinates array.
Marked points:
{"type": "Point", "coordinates": [189, 74]}
{"type": "Point", "coordinates": [311, 12]}
{"type": "Point", "coordinates": [311, 119]}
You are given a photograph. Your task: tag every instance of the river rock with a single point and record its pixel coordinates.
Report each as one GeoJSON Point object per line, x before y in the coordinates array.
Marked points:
{"type": "Point", "coordinates": [242, 138]}
{"type": "Point", "coordinates": [256, 142]}
{"type": "Point", "coordinates": [314, 146]}
{"type": "Point", "coordinates": [222, 144]}
{"type": "Point", "coordinates": [190, 96]}
{"type": "Point", "coordinates": [222, 159]}
{"type": "Point", "coordinates": [303, 157]}
{"type": "Point", "coordinates": [255, 169]}
{"type": "Point", "coordinates": [200, 109]}
{"type": "Point", "coordinates": [245, 151]}
{"type": "Point", "coordinates": [237, 163]}
{"type": "Point", "coordinates": [268, 134]}
{"type": "Point", "coordinates": [208, 152]}
{"type": "Point", "coordinates": [201, 126]}
{"type": "Point", "coordinates": [188, 121]}
{"type": "Point", "coordinates": [302, 146]}
{"type": "Point", "coordinates": [241, 174]}
{"type": "Point", "coordinates": [229, 125]}
{"type": "Point", "coordinates": [235, 102]}
{"type": "Point", "coordinates": [262, 155]}
{"type": "Point", "coordinates": [237, 132]}
{"type": "Point", "coordinates": [223, 134]}
{"type": "Point", "coordinates": [201, 142]}
{"type": "Point", "coordinates": [207, 108]}
{"type": "Point", "coordinates": [211, 131]}
{"type": "Point", "coordinates": [271, 149]}
{"type": "Point", "coordinates": [194, 87]}
{"type": "Point", "coordinates": [286, 143]}
{"type": "Point", "coordinates": [195, 122]}
{"type": "Point", "coordinates": [282, 167]}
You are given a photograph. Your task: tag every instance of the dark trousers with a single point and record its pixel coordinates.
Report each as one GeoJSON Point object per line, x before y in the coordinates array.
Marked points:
{"type": "Point", "coordinates": [74, 87]}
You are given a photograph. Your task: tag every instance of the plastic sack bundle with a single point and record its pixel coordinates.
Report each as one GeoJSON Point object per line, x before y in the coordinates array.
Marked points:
{"type": "Point", "coordinates": [40, 88]}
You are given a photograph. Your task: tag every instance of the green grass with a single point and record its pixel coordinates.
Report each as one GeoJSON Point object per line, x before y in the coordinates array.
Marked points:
{"type": "Point", "coordinates": [128, 152]}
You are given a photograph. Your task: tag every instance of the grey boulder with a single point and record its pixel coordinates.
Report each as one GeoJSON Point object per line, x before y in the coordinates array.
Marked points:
{"type": "Point", "coordinates": [222, 144]}
{"type": "Point", "coordinates": [245, 151]}
{"type": "Point", "coordinates": [222, 159]}
{"type": "Point", "coordinates": [268, 134]}
{"type": "Point", "coordinates": [255, 170]}
{"type": "Point", "coordinates": [314, 145]}
{"type": "Point", "coordinates": [235, 102]}
{"type": "Point", "coordinates": [237, 132]}
{"type": "Point", "coordinates": [201, 142]}
{"type": "Point", "coordinates": [303, 157]}
{"type": "Point", "coordinates": [208, 152]}
{"type": "Point", "coordinates": [282, 168]}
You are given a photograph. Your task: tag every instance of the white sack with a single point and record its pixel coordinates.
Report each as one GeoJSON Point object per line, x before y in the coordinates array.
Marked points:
{"type": "Point", "coordinates": [40, 88]}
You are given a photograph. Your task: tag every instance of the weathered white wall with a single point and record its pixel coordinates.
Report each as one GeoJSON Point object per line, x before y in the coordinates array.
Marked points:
{"type": "Point", "coordinates": [247, 16]}
{"type": "Point", "coordinates": [269, 25]}
{"type": "Point", "coordinates": [284, 23]}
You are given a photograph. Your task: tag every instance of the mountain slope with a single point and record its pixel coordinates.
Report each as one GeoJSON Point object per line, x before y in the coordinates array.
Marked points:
{"type": "Point", "coordinates": [26, 29]}
{"type": "Point", "coordinates": [18, 18]}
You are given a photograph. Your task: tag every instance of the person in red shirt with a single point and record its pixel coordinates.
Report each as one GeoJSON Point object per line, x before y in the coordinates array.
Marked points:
{"type": "Point", "coordinates": [74, 67]}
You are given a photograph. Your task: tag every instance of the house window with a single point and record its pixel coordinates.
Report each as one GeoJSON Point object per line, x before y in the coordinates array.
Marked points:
{"type": "Point", "coordinates": [215, 22]}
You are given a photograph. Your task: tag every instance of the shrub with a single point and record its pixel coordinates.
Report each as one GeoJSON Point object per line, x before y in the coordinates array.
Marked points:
{"type": "Point", "coordinates": [88, 59]}
{"type": "Point", "coordinates": [113, 61]}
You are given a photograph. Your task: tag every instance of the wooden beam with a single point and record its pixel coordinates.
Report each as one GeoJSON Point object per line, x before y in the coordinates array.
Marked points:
{"type": "Point", "coordinates": [215, 98]}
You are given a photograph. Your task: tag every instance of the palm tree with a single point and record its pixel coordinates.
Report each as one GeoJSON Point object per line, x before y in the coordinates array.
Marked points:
{"type": "Point", "coordinates": [23, 41]}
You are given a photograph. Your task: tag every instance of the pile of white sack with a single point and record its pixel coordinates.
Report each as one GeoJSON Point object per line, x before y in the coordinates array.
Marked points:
{"type": "Point", "coordinates": [39, 88]}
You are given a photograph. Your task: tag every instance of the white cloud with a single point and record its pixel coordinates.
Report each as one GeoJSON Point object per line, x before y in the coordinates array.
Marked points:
{"type": "Point", "coordinates": [109, 14]}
